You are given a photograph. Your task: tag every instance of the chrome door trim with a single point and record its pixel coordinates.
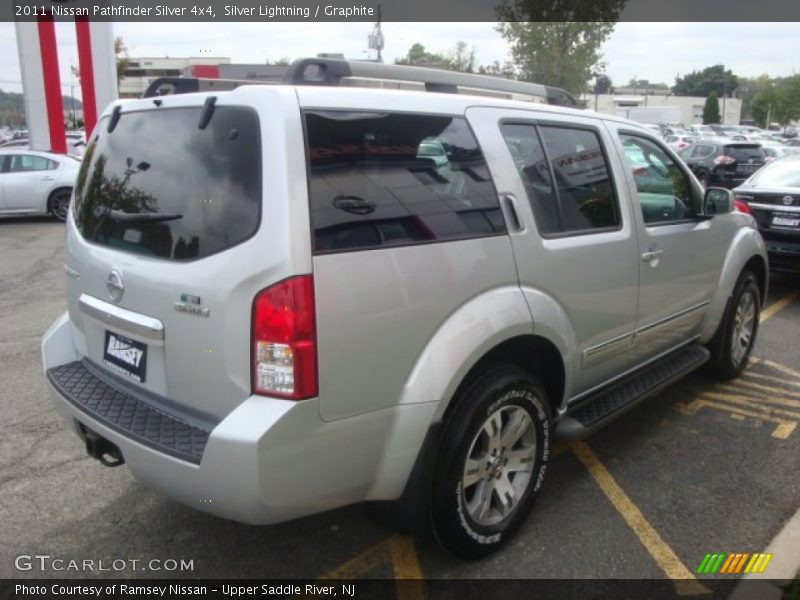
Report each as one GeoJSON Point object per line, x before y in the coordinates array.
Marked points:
{"type": "Point", "coordinates": [774, 207]}
{"type": "Point", "coordinates": [599, 352]}
{"type": "Point", "coordinates": [671, 318]}
{"type": "Point", "coordinates": [121, 318]}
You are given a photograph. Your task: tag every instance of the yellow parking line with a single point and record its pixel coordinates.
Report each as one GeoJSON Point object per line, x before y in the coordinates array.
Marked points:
{"type": "Point", "coordinates": [406, 566]}
{"type": "Point", "coordinates": [778, 305]}
{"type": "Point", "coordinates": [685, 581]}
{"type": "Point", "coordinates": [360, 565]}
{"type": "Point", "coordinates": [783, 430]}
{"type": "Point", "coordinates": [751, 402]}
{"type": "Point", "coordinates": [766, 395]}
{"type": "Point", "coordinates": [780, 367]}
{"type": "Point", "coordinates": [751, 375]}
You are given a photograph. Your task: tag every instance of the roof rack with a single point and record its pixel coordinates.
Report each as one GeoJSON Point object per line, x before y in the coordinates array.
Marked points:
{"type": "Point", "coordinates": [338, 72]}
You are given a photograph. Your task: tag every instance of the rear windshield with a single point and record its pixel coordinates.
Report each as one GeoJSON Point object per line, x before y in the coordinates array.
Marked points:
{"type": "Point", "coordinates": [159, 185]}
{"type": "Point", "coordinates": [743, 152]}
{"type": "Point", "coordinates": [781, 173]}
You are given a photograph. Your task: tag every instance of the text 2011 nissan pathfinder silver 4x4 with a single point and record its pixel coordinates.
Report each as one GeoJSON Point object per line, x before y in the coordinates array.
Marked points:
{"type": "Point", "coordinates": [293, 298]}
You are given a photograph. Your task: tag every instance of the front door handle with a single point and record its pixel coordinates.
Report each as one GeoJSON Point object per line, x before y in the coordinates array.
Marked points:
{"type": "Point", "coordinates": [46, 178]}
{"type": "Point", "coordinates": [652, 255]}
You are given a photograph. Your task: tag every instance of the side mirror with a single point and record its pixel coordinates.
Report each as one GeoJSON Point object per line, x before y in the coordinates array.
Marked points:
{"type": "Point", "coordinates": [717, 201]}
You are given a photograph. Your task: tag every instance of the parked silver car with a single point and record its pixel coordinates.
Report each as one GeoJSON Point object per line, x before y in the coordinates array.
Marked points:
{"type": "Point", "coordinates": [289, 304]}
{"type": "Point", "coordinates": [36, 183]}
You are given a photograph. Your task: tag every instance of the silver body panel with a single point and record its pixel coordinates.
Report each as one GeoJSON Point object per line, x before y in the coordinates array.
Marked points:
{"type": "Point", "coordinates": [397, 328]}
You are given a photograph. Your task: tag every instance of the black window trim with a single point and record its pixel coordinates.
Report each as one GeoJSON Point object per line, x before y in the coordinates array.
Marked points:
{"type": "Point", "coordinates": [314, 252]}
{"type": "Point", "coordinates": [681, 167]}
{"type": "Point", "coordinates": [536, 122]}
{"type": "Point", "coordinates": [259, 143]}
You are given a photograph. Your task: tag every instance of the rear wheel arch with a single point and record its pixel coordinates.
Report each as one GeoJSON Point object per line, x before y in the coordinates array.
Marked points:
{"type": "Point", "coordinates": [535, 354]}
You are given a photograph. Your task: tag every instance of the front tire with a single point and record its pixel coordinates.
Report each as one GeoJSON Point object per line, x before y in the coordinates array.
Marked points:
{"type": "Point", "coordinates": [491, 462]}
{"type": "Point", "coordinates": [736, 335]}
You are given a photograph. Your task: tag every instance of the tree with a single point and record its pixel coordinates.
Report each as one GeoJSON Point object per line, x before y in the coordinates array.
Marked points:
{"type": "Point", "coordinates": [702, 83]}
{"type": "Point", "coordinates": [418, 55]}
{"type": "Point", "coordinates": [602, 84]}
{"type": "Point", "coordinates": [564, 53]}
{"type": "Point", "coordinates": [460, 58]}
{"type": "Point", "coordinates": [711, 109]}
{"type": "Point", "coordinates": [497, 70]}
{"type": "Point", "coordinates": [121, 54]}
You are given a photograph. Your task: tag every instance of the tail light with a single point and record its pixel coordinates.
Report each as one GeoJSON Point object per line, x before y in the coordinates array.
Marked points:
{"type": "Point", "coordinates": [284, 340]}
{"type": "Point", "coordinates": [742, 206]}
{"type": "Point", "coordinates": [724, 160]}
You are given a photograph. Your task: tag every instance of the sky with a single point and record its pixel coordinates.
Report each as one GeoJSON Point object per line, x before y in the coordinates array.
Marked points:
{"type": "Point", "coordinates": [656, 52]}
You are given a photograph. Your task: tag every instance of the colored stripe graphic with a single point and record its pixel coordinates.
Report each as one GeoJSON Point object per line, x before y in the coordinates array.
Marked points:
{"type": "Point", "coordinates": [733, 563]}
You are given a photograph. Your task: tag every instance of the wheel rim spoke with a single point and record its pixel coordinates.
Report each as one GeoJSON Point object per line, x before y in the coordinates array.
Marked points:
{"type": "Point", "coordinates": [499, 465]}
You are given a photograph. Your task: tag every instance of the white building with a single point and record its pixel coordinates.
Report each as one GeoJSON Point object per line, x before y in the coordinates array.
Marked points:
{"type": "Point", "coordinates": [691, 107]}
{"type": "Point", "coordinates": [142, 71]}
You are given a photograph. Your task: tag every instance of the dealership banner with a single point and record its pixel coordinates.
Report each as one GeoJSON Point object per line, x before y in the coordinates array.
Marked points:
{"type": "Point", "coordinates": [407, 10]}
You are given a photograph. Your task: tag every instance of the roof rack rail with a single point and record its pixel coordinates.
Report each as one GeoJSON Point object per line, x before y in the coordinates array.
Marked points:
{"type": "Point", "coordinates": [337, 72]}
{"type": "Point", "coordinates": [165, 86]}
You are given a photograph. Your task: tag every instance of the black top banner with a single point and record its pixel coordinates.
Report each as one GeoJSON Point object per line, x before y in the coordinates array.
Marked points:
{"type": "Point", "coordinates": [406, 10]}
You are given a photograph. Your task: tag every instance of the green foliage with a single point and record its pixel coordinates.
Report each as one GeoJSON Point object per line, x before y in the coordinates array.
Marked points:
{"type": "Point", "coordinates": [774, 100]}
{"type": "Point", "coordinates": [557, 42]}
{"type": "Point", "coordinates": [12, 108]}
{"type": "Point", "coordinates": [711, 110]}
{"type": "Point", "coordinates": [702, 83]}
{"type": "Point", "coordinates": [460, 58]}
{"type": "Point", "coordinates": [496, 69]}
{"type": "Point", "coordinates": [603, 84]}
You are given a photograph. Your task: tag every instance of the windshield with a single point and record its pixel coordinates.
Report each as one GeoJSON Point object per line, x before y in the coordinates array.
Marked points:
{"type": "Point", "coordinates": [781, 173]}
{"type": "Point", "coordinates": [159, 185]}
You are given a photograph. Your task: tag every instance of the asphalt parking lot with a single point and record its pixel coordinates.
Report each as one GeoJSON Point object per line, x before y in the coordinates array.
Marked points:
{"type": "Point", "coordinates": [701, 468]}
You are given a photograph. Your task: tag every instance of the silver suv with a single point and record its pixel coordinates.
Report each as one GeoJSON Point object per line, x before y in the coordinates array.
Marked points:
{"type": "Point", "coordinates": [287, 299]}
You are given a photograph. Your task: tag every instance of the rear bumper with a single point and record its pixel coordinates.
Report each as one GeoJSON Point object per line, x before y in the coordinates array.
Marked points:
{"type": "Point", "coordinates": [267, 461]}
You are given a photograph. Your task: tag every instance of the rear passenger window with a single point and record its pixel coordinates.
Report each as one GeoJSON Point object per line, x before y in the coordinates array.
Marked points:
{"type": "Point", "coordinates": [387, 179]}
{"type": "Point", "coordinates": [664, 191]}
{"type": "Point", "coordinates": [566, 177]}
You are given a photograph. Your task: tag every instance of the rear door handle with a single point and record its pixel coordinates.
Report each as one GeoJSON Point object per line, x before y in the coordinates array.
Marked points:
{"type": "Point", "coordinates": [507, 200]}
{"type": "Point", "coordinates": [652, 255]}
{"type": "Point", "coordinates": [45, 178]}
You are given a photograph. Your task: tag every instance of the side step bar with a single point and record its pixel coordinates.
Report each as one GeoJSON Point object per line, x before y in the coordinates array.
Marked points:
{"type": "Point", "coordinates": [607, 404]}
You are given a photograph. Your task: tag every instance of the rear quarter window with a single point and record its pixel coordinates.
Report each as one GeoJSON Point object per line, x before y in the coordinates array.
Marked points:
{"type": "Point", "coordinates": [391, 179]}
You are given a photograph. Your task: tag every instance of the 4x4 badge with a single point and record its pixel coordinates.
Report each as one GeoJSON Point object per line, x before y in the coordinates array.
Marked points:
{"type": "Point", "coordinates": [191, 305]}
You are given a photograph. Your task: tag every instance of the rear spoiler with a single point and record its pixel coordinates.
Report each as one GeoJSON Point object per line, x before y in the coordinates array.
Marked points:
{"type": "Point", "coordinates": [165, 86]}
{"type": "Point", "coordinates": [337, 72]}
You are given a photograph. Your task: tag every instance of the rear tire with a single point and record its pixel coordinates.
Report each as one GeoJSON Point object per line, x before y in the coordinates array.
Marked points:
{"type": "Point", "coordinates": [58, 203]}
{"type": "Point", "coordinates": [736, 335]}
{"type": "Point", "coordinates": [491, 462]}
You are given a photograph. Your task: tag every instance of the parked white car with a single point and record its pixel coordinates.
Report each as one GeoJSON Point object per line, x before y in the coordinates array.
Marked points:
{"type": "Point", "coordinates": [36, 183]}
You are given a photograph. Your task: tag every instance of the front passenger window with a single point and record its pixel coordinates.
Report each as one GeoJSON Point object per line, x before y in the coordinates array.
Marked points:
{"type": "Point", "coordinates": [665, 193]}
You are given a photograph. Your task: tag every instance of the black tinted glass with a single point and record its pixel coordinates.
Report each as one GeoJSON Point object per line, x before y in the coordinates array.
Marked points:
{"type": "Point", "coordinates": [379, 179]}
{"type": "Point", "coordinates": [585, 191]}
{"type": "Point", "coordinates": [161, 186]}
{"type": "Point", "coordinates": [526, 150]}
{"type": "Point", "coordinates": [745, 153]}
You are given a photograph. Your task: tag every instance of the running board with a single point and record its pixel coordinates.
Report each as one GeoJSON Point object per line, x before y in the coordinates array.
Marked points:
{"type": "Point", "coordinates": [600, 408]}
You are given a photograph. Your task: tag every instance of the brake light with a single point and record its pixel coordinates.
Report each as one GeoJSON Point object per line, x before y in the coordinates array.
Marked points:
{"type": "Point", "coordinates": [724, 160]}
{"type": "Point", "coordinates": [742, 206]}
{"type": "Point", "coordinates": [284, 340]}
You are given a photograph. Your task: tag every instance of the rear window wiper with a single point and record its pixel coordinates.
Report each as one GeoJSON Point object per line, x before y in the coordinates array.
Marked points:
{"type": "Point", "coordinates": [124, 217]}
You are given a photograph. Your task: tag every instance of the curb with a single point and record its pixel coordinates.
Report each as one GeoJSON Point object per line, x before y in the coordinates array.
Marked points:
{"type": "Point", "coordinates": [783, 568]}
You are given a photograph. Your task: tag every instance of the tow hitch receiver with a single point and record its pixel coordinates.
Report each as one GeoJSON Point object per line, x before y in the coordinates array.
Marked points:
{"type": "Point", "coordinates": [100, 448]}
